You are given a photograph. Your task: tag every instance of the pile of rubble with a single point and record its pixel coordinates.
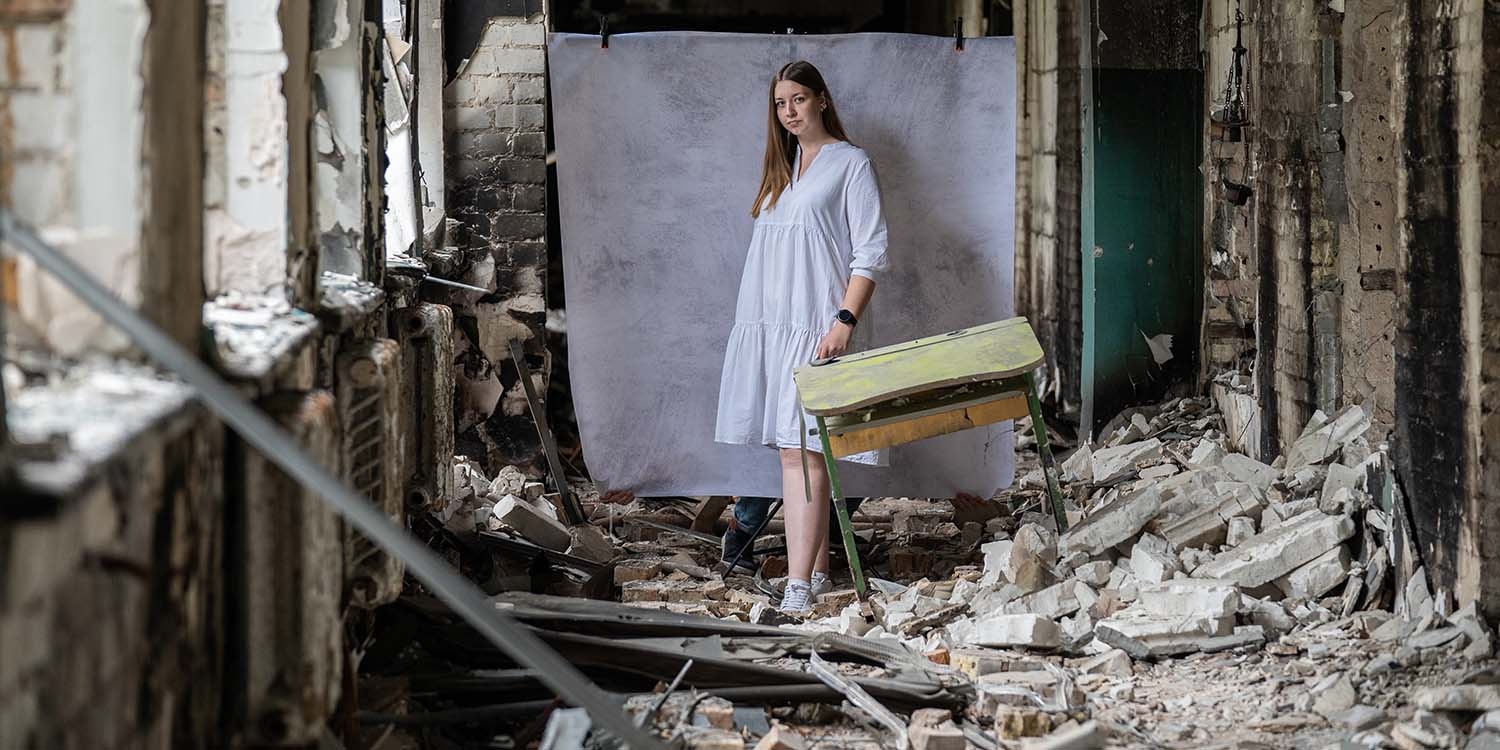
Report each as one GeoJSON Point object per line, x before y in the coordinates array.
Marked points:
{"type": "Point", "coordinates": [1274, 583]}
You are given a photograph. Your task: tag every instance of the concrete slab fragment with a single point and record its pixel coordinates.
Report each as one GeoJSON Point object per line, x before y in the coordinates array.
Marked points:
{"type": "Point", "coordinates": [1116, 522]}
{"type": "Point", "coordinates": [1151, 566]}
{"type": "Point", "coordinates": [1114, 464]}
{"type": "Point", "coordinates": [531, 523]}
{"type": "Point", "coordinates": [1278, 551]}
{"type": "Point", "coordinates": [1186, 597]}
{"type": "Point", "coordinates": [1246, 469]}
{"type": "Point", "coordinates": [1318, 577]}
{"type": "Point", "coordinates": [1026, 630]}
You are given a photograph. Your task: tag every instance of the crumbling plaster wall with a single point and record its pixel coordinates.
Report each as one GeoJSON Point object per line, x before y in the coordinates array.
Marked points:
{"type": "Point", "coordinates": [497, 199]}
{"type": "Point", "coordinates": [1049, 185]}
{"type": "Point", "coordinates": [257, 127]}
{"type": "Point", "coordinates": [117, 192]}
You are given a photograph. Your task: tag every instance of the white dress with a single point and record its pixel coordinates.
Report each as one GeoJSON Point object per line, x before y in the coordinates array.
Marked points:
{"type": "Point", "coordinates": [826, 226]}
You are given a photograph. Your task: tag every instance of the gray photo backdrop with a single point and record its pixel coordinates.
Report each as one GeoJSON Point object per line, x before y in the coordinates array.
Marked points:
{"type": "Point", "coordinates": [659, 145]}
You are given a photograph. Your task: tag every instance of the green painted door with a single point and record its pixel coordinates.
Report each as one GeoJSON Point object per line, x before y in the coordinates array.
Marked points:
{"type": "Point", "coordinates": [1141, 224]}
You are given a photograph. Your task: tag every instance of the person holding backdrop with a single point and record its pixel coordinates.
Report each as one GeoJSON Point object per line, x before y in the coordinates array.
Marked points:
{"type": "Point", "coordinates": [818, 242]}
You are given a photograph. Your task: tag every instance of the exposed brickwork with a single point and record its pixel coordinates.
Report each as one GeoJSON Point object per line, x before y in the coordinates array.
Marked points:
{"type": "Point", "coordinates": [497, 192]}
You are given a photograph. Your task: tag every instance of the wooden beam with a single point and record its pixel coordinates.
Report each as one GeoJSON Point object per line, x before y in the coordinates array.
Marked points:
{"type": "Point", "coordinates": [707, 515]}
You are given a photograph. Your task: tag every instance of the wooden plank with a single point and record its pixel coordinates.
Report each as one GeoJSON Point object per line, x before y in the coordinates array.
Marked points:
{"type": "Point", "coordinates": [707, 515]}
{"type": "Point", "coordinates": [922, 404]}
{"type": "Point", "coordinates": [997, 350]}
{"type": "Point", "coordinates": [961, 417]}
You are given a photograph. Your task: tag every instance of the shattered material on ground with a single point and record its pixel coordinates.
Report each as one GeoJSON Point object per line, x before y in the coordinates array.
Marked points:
{"type": "Point", "coordinates": [1200, 599]}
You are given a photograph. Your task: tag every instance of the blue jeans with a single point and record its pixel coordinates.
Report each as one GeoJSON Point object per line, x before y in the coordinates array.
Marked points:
{"type": "Point", "coordinates": [750, 511]}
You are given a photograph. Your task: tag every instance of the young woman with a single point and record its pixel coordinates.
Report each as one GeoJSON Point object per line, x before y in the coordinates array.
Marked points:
{"type": "Point", "coordinates": [819, 240]}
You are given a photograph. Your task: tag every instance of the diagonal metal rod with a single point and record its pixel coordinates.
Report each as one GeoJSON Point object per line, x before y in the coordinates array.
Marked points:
{"type": "Point", "coordinates": [445, 282]}
{"type": "Point", "coordinates": [271, 440]}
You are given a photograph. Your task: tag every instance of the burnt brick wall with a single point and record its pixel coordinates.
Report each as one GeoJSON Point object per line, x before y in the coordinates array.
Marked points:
{"type": "Point", "coordinates": [1287, 180]}
{"type": "Point", "coordinates": [497, 193]}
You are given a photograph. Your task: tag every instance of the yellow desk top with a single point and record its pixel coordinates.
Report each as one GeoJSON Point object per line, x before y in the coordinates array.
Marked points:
{"type": "Point", "coordinates": [969, 355]}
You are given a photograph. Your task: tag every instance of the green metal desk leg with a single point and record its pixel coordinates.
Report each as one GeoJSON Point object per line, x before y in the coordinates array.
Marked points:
{"type": "Point", "coordinates": [1049, 468]}
{"type": "Point", "coordinates": [846, 527]}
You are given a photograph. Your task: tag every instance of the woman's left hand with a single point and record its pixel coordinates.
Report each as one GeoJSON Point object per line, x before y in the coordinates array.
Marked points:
{"type": "Point", "coordinates": [835, 342]}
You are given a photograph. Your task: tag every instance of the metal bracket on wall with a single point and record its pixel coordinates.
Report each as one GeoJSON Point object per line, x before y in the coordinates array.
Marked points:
{"type": "Point", "coordinates": [263, 434]}
{"type": "Point", "coordinates": [570, 506]}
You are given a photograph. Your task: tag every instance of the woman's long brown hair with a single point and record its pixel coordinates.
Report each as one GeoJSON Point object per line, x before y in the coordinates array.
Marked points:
{"type": "Point", "coordinates": [781, 145]}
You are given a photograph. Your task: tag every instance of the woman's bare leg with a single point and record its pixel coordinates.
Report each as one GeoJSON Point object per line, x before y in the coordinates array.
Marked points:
{"type": "Point", "coordinates": [806, 522]}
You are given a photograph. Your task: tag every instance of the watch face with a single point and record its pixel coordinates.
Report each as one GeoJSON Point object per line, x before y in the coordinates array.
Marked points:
{"type": "Point", "coordinates": [845, 316]}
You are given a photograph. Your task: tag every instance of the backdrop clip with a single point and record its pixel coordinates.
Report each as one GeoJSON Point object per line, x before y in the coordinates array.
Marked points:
{"type": "Point", "coordinates": [603, 32]}
{"type": "Point", "coordinates": [958, 34]}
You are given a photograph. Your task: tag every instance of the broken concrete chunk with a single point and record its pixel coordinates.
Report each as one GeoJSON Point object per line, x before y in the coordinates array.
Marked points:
{"type": "Point", "coordinates": [1085, 736]}
{"type": "Point", "coordinates": [1358, 718]}
{"type": "Point", "coordinates": [1114, 523]}
{"type": "Point", "coordinates": [946, 736]}
{"type": "Point", "coordinates": [930, 717]}
{"type": "Point", "coordinates": [1317, 577]}
{"type": "Point", "coordinates": [1052, 602]}
{"type": "Point", "coordinates": [781, 738]}
{"type": "Point", "coordinates": [1435, 638]}
{"type": "Point", "coordinates": [1334, 694]}
{"type": "Point", "coordinates": [1481, 636]}
{"type": "Point", "coordinates": [1031, 631]}
{"type": "Point", "coordinates": [1417, 596]}
{"type": "Point", "coordinates": [1151, 566]}
{"type": "Point", "coordinates": [996, 562]}
{"type": "Point", "coordinates": [1340, 477]}
{"type": "Point", "coordinates": [590, 543]}
{"type": "Point", "coordinates": [1190, 596]}
{"type": "Point", "coordinates": [1240, 529]}
{"type": "Point", "coordinates": [1032, 556]}
{"type": "Point", "coordinates": [1142, 634]}
{"type": "Point", "coordinates": [1095, 574]}
{"type": "Point", "coordinates": [1113, 662]}
{"type": "Point", "coordinates": [1113, 464]}
{"type": "Point", "coordinates": [1159, 471]}
{"type": "Point", "coordinates": [532, 523]}
{"type": "Point", "coordinates": [1278, 551]}
{"type": "Point", "coordinates": [1208, 454]}
{"type": "Point", "coordinates": [1317, 445]}
{"type": "Point", "coordinates": [1248, 470]}
{"type": "Point", "coordinates": [510, 481]}
{"type": "Point", "coordinates": [1080, 466]}
{"type": "Point", "coordinates": [1209, 525]}
{"type": "Point", "coordinates": [1459, 698]}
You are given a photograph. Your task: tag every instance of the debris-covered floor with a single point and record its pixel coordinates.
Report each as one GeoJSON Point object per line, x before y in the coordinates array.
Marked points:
{"type": "Point", "coordinates": [1200, 599]}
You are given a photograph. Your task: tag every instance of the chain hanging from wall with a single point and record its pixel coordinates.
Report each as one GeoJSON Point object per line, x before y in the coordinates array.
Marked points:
{"type": "Point", "coordinates": [1232, 113]}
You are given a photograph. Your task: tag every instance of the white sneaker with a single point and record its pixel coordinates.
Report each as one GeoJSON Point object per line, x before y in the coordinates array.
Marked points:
{"type": "Point", "coordinates": [796, 598]}
{"type": "Point", "coordinates": [821, 584]}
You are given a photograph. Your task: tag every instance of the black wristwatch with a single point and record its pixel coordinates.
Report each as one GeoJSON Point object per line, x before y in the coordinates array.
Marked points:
{"type": "Point", "coordinates": [847, 318]}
